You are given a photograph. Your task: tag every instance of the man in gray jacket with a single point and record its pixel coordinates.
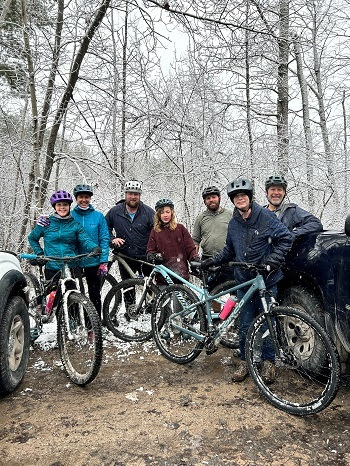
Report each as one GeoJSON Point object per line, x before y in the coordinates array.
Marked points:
{"type": "Point", "coordinates": [210, 230]}
{"type": "Point", "coordinates": [296, 219]}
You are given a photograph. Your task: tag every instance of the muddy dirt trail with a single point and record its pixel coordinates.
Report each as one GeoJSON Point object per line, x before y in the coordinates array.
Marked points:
{"type": "Point", "coordinates": [144, 410]}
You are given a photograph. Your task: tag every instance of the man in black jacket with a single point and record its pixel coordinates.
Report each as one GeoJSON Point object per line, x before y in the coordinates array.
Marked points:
{"type": "Point", "coordinates": [296, 219]}
{"type": "Point", "coordinates": [130, 223]}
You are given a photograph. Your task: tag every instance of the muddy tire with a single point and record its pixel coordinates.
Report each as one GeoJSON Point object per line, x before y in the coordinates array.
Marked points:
{"type": "Point", "coordinates": [14, 344]}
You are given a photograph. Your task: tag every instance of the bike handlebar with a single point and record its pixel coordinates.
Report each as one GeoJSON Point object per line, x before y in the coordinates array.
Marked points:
{"type": "Point", "coordinates": [54, 258]}
{"type": "Point", "coordinates": [245, 265]}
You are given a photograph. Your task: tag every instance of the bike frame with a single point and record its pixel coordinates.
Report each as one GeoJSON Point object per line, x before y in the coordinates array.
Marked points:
{"type": "Point", "coordinates": [205, 298]}
{"type": "Point", "coordinates": [65, 278]}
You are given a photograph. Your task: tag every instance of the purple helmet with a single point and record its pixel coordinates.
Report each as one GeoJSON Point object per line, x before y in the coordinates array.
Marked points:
{"type": "Point", "coordinates": [60, 196]}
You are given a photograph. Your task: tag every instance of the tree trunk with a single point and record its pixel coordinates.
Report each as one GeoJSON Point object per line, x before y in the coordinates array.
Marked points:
{"type": "Point", "coordinates": [345, 147]}
{"type": "Point", "coordinates": [306, 121]}
{"type": "Point", "coordinates": [282, 87]}
{"type": "Point", "coordinates": [73, 77]}
{"type": "Point", "coordinates": [123, 128]}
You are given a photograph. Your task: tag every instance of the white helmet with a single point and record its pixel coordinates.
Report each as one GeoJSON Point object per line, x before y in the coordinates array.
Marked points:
{"type": "Point", "coordinates": [133, 186]}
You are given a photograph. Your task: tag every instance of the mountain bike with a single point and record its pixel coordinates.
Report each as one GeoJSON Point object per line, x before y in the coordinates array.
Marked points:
{"type": "Point", "coordinates": [306, 360]}
{"type": "Point", "coordinates": [128, 305]}
{"type": "Point", "coordinates": [79, 332]}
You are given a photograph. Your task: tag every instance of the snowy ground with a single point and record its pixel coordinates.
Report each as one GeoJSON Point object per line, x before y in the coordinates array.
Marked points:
{"type": "Point", "coordinates": [144, 410]}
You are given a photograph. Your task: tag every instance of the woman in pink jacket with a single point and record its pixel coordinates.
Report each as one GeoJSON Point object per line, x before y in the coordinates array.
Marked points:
{"type": "Point", "coordinates": [171, 239]}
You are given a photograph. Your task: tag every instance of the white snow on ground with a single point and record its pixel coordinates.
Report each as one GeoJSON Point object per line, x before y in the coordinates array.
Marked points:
{"type": "Point", "coordinates": [48, 340]}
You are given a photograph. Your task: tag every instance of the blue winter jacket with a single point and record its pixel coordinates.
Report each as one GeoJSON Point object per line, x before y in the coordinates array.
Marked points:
{"type": "Point", "coordinates": [63, 237]}
{"type": "Point", "coordinates": [259, 239]}
{"type": "Point", "coordinates": [135, 233]}
{"type": "Point", "coordinates": [298, 220]}
{"type": "Point", "coordinates": [95, 225]}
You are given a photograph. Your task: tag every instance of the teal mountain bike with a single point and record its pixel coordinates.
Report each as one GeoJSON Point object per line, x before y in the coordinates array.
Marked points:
{"type": "Point", "coordinates": [306, 360]}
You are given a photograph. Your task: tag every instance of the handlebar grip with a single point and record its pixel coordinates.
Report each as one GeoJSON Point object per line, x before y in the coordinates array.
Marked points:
{"type": "Point", "coordinates": [28, 256]}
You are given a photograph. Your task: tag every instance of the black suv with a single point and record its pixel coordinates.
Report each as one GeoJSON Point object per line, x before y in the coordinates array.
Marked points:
{"type": "Point", "coordinates": [14, 323]}
{"type": "Point", "coordinates": [317, 279]}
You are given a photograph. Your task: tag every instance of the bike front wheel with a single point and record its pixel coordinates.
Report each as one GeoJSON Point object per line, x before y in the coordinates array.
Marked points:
{"type": "Point", "coordinates": [169, 313]}
{"type": "Point", "coordinates": [79, 337]}
{"type": "Point", "coordinates": [307, 363]}
{"type": "Point", "coordinates": [127, 309]}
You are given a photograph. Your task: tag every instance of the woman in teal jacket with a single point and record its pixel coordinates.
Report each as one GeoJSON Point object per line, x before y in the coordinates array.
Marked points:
{"type": "Point", "coordinates": [95, 225]}
{"type": "Point", "coordinates": [63, 236]}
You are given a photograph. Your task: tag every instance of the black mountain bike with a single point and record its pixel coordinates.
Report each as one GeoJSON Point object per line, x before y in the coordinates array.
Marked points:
{"type": "Point", "coordinates": [79, 332]}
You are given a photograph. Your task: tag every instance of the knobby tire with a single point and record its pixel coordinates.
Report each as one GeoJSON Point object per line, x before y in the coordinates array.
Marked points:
{"type": "Point", "coordinates": [124, 314]}
{"type": "Point", "coordinates": [81, 356]}
{"type": "Point", "coordinates": [176, 345]}
{"type": "Point", "coordinates": [307, 366]}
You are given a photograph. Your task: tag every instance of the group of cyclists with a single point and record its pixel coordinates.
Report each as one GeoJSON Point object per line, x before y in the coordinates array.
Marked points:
{"type": "Point", "coordinates": [252, 233]}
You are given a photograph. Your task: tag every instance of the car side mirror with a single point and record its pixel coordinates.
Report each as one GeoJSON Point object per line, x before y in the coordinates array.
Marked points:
{"type": "Point", "coordinates": [347, 225]}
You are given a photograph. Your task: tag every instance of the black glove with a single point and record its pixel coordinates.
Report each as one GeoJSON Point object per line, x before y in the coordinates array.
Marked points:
{"type": "Point", "coordinates": [151, 257]}
{"type": "Point", "coordinates": [96, 251]}
{"type": "Point", "coordinates": [206, 264]}
{"type": "Point", "coordinates": [156, 258]}
{"type": "Point", "coordinates": [38, 261]}
{"type": "Point", "coordinates": [271, 265]}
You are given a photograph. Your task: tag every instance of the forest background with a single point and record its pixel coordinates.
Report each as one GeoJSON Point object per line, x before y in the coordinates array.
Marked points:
{"type": "Point", "coordinates": [181, 95]}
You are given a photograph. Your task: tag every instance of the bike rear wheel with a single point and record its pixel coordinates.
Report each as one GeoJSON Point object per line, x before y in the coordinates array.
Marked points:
{"type": "Point", "coordinates": [34, 305]}
{"type": "Point", "coordinates": [307, 363]}
{"type": "Point", "coordinates": [80, 339]}
{"type": "Point", "coordinates": [170, 311]}
{"type": "Point", "coordinates": [127, 312]}
{"type": "Point", "coordinates": [230, 338]}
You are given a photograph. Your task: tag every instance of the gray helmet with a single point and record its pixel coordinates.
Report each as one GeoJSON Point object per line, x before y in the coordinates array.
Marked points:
{"type": "Point", "coordinates": [133, 186]}
{"type": "Point", "coordinates": [240, 185]}
{"type": "Point", "coordinates": [210, 190]}
{"type": "Point", "coordinates": [276, 180]}
{"type": "Point", "coordinates": [164, 203]}
{"type": "Point", "coordinates": [82, 189]}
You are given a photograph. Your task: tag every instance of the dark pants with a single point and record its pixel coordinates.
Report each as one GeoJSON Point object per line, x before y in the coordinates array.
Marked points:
{"type": "Point", "coordinates": [94, 286]}
{"type": "Point", "coordinates": [251, 309]}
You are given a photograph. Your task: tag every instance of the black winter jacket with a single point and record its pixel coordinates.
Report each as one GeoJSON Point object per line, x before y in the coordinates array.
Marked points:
{"type": "Point", "coordinates": [298, 220]}
{"type": "Point", "coordinates": [135, 233]}
{"type": "Point", "coordinates": [259, 239]}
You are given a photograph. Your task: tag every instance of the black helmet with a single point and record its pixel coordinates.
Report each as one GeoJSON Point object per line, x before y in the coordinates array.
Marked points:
{"type": "Point", "coordinates": [210, 190]}
{"type": "Point", "coordinates": [276, 180]}
{"type": "Point", "coordinates": [82, 189]}
{"type": "Point", "coordinates": [240, 185]}
{"type": "Point", "coordinates": [164, 203]}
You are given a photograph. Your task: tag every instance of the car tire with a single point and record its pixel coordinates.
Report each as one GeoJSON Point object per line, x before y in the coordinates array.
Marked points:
{"type": "Point", "coordinates": [14, 344]}
{"type": "Point", "coordinates": [301, 298]}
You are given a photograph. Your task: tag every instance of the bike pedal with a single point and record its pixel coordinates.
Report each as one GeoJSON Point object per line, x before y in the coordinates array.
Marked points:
{"type": "Point", "coordinates": [211, 350]}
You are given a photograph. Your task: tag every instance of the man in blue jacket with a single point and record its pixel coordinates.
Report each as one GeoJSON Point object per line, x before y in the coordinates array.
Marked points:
{"type": "Point", "coordinates": [296, 219]}
{"type": "Point", "coordinates": [254, 235]}
{"type": "Point", "coordinates": [130, 223]}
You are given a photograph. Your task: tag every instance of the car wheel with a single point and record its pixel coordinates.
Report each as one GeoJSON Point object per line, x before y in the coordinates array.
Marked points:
{"type": "Point", "coordinates": [14, 344]}
{"type": "Point", "coordinates": [300, 298]}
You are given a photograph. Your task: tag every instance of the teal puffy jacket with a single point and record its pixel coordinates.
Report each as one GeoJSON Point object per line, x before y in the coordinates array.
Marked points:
{"type": "Point", "coordinates": [63, 237]}
{"type": "Point", "coordinates": [95, 225]}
